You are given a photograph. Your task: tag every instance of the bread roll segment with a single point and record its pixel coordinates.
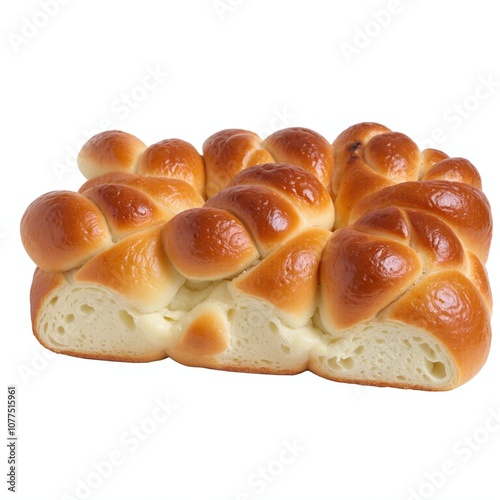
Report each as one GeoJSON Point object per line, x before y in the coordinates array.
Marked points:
{"type": "Point", "coordinates": [228, 152]}
{"type": "Point", "coordinates": [137, 268]}
{"type": "Point", "coordinates": [207, 244]}
{"type": "Point", "coordinates": [175, 159]}
{"type": "Point", "coordinates": [304, 148]}
{"type": "Point", "coordinates": [362, 261]}
{"type": "Point", "coordinates": [110, 151]}
{"type": "Point", "coordinates": [60, 230]}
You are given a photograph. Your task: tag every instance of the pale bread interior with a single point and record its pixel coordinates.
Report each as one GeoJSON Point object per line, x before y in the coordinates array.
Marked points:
{"type": "Point", "coordinates": [381, 352]}
{"type": "Point", "coordinates": [92, 321]}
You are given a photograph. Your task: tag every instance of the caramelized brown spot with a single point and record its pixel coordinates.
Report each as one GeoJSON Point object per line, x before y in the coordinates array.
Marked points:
{"type": "Point", "coordinates": [206, 335]}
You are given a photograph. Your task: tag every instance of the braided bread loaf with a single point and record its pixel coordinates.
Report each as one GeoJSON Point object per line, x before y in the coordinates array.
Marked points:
{"type": "Point", "coordinates": [362, 260]}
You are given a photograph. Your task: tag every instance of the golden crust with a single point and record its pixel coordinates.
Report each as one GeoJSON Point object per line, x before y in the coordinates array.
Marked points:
{"type": "Point", "coordinates": [438, 246]}
{"type": "Point", "coordinates": [137, 268]}
{"type": "Point", "coordinates": [454, 170]}
{"type": "Point", "coordinates": [348, 146]}
{"type": "Point", "coordinates": [430, 157]}
{"type": "Point", "coordinates": [208, 244]}
{"type": "Point", "coordinates": [126, 209]}
{"type": "Point", "coordinates": [228, 152]}
{"type": "Point", "coordinates": [43, 284]}
{"type": "Point", "coordinates": [360, 274]}
{"type": "Point", "coordinates": [479, 277]}
{"type": "Point", "coordinates": [288, 277]}
{"type": "Point", "coordinates": [358, 182]}
{"type": "Point", "coordinates": [303, 190]}
{"type": "Point", "coordinates": [464, 208]}
{"type": "Point", "coordinates": [389, 222]}
{"type": "Point", "coordinates": [60, 230]}
{"type": "Point", "coordinates": [411, 235]}
{"type": "Point", "coordinates": [206, 335]}
{"type": "Point", "coordinates": [110, 151]}
{"type": "Point", "coordinates": [304, 148]}
{"type": "Point", "coordinates": [449, 306]}
{"type": "Point", "coordinates": [173, 194]}
{"type": "Point", "coordinates": [393, 155]}
{"type": "Point", "coordinates": [174, 159]}
{"type": "Point", "coordinates": [269, 217]}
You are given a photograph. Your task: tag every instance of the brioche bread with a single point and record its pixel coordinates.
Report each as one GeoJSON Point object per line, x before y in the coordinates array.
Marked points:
{"type": "Point", "coordinates": [361, 260]}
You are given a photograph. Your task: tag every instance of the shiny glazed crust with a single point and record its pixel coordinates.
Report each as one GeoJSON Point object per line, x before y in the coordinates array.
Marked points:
{"type": "Point", "coordinates": [362, 260]}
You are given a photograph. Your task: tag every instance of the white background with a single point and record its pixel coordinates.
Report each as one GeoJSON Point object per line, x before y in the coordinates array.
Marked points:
{"type": "Point", "coordinates": [260, 65]}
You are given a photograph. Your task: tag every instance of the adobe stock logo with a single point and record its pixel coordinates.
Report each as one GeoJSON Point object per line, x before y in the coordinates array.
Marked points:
{"type": "Point", "coordinates": [120, 108]}
{"type": "Point", "coordinates": [281, 118]}
{"type": "Point", "coordinates": [40, 360]}
{"type": "Point", "coordinates": [367, 32]}
{"type": "Point", "coordinates": [461, 111]}
{"type": "Point", "coordinates": [463, 450]}
{"type": "Point", "coordinates": [33, 24]}
{"type": "Point", "coordinates": [222, 7]}
{"type": "Point", "coordinates": [131, 440]}
{"type": "Point", "coordinates": [267, 474]}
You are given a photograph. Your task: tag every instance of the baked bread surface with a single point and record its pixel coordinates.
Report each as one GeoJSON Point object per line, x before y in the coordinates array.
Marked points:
{"type": "Point", "coordinates": [361, 260]}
